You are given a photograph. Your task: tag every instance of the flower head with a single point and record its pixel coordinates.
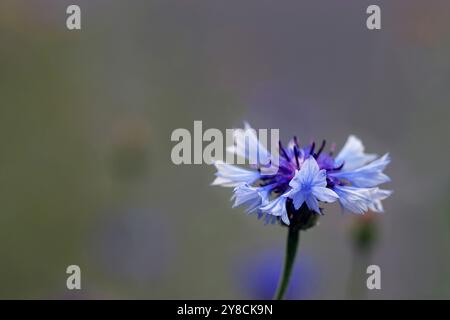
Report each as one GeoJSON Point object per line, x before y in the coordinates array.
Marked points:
{"type": "Point", "coordinates": [306, 177]}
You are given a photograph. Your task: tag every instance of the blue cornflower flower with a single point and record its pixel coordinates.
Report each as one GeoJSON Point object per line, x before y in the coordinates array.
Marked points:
{"type": "Point", "coordinates": [305, 178]}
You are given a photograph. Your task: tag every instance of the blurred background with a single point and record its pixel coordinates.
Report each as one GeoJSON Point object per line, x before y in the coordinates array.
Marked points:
{"type": "Point", "coordinates": [86, 116]}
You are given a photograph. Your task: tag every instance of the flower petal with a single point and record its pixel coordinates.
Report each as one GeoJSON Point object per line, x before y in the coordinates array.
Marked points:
{"type": "Point", "coordinates": [367, 176]}
{"type": "Point", "coordinates": [308, 175]}
{"type": "Point", "coordinates": [312, 204]}
{"type": "Point", "coordinates": [244, 194]}
{"type": "Point", "coordinates": [309, 182]}
{"type": "Point", "coordinates": [377, 196]}
{"type": "Point", "coordinates": [356, 200]}
{"type": "Point", "coordinates": [352, 154]}
{"type": "Point", "coordinates": [277, 208]}
{"type": "Point", "coordinates": [297, 199]}
{"type": "Point", "coordinates": [231, 176]}
{"type": "Point", "coordinates": [324, 194]}
{"type": "Point", "coordinates": [249, 147]}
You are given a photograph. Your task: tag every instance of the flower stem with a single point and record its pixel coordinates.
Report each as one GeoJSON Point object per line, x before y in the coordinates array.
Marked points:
{"type": "Point", "coordinates": [291, 250]}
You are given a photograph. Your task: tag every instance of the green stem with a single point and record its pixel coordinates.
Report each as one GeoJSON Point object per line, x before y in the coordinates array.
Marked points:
{"type": "Point", "coordinates": [291, 250]}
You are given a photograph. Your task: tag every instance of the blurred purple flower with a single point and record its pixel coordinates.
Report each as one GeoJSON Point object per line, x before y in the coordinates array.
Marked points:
{"type": "Point", "coordinates": [258, 275]}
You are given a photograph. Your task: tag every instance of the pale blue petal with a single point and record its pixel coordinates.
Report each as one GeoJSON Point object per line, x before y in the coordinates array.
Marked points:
{"type": "Point", "coordinates": [309, 171]}
{"type": "Point", "coordinates": [252, 197]}
{"type": "Point", "coordinates": [295, 182]}
{"type": "Point", "coordinates": [367, 176]}
{"type": "Point", "coordinates": [308, 175]}
{"type": "Point", "coordinates": [264, 193]}
{"type": "Point", "coordinates": [229, 175]}
{"type": "Point", "coordinates": [296, 195]}
{"type": "Point", "coordinates": [320, 179]}
{"type": "Point", "coordinates": [312, 204]}
{"type": "Point", "coordinates": [310, 182]}
{"type": "Point", "coordinates": [352, 155]}
{"type": "Point", "coordinates": [324, 194]}
{"type": "Point", "coordinates": [356, 200]}
{"type": "Point", "coordinates": [377, 196]}
{"type": "Point", "coordinates": [277, 208]}
{"type": "Point", "coordinates": [247, 146]}
{"type": "Point", "coordinates": [298, 198]}
{"type": "Point", "coordinates": [244, 194]}
{"type": "Point", "coordinates": [285, 218]}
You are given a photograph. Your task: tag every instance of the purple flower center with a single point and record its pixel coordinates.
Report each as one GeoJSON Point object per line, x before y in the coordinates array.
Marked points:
{"type": "Point", "coordinates": [291, 159]}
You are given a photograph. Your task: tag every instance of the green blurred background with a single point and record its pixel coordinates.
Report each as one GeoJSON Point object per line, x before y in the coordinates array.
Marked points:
{"type": "Point", "coordinates": [86, 117]}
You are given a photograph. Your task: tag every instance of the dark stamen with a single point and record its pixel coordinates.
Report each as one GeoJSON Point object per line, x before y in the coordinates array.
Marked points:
{"type": "Point", "coordinates": [321, 148]}
{"type": "Point", "coordinates": [296, 141]}
{"type": "Point", "coordinates": [296, 153]}
{"type": "Point", "coordinates": [330, 183]}
{"type": "Point", "coordinates": [339, 168]}
{"type": "Point", "coordinates": [284, 170]}
{"type": "Point", "coordinates": [280, 146]}
{"type": "Point", "coordinates": [313, 146]}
